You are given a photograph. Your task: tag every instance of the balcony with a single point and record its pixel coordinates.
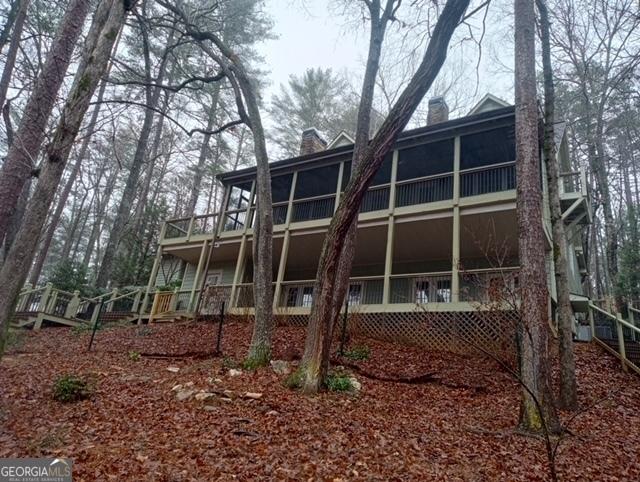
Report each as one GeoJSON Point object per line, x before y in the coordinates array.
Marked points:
{"type": "Point", "coordinates": [194, 228]}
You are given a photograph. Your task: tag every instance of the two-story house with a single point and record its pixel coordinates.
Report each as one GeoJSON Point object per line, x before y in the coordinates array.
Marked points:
{"type": "Point", "coordinates": [437, 231]}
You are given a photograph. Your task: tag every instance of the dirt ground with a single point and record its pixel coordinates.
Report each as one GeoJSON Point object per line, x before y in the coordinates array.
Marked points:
{"type": "Point", "coordinates": [457, 424]}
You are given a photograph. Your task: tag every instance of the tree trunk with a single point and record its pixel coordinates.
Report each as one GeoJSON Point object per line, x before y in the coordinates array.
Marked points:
{"type": "Point", "coordinates": [101, 208]}
{"type": "Point", "coordinates": [14, 46]}
{"type": "Point", "coordinates": [204, 152]}
{"type": "Point", "coordinates": [28, 138]}
{"type": "Point", "coordinates": [64, 195]}
{"type": "Point", "coordinates": [537, 413]}
{"type": "Point", "coordinates": [129, 193]}
{"type": "Point", "coordinates": [379, 21]}
{"type": "Point", "coordinates": [318, 342]}
{"type": "Point", "coordinates": [107, 22]}
{"type": "Point", "coordinates": [568, 390]}
{"type": "Point", "coordinates": [12, 19]}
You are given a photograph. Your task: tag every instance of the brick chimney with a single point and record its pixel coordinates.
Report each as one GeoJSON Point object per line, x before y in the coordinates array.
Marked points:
{"type": "Point", "coordinates": [438, 111]}
{"type": "Point", "coordinates": [311, 142]}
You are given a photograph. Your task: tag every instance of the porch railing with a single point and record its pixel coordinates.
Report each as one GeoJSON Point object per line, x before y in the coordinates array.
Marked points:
{"type": "Point", "coordinates": [487, 179]}
{"type": "Point", "coordinates": [573, 182]}
{"type": "Point", "coordinates": [309, 209]}
{"type": "Point", "coordinates": [184, 228]}
{"type": "Point", "coordinates": [424, 190]}
{"type": "Point", "coordinates": [421, 288]}
{"type": "Point", "coordinates": [489, 285]}
{"type": "Point", "coordinates": [375, 199]}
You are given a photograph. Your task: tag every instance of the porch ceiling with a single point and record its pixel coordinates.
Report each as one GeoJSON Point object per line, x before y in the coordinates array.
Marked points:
{"type": "Point", "coordinates": [489, 235]}
{"type": "Point", "coordinates": [429, 239]}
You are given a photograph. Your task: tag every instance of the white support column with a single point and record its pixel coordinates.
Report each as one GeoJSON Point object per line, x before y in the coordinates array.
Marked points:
{"type": "Point", "coordinates": [282, 266]}
{"type": "Point", "coordinates": [72, 307]}
{"type": "Point", "coordinates": [339, 187]}
{"type": "Point", "coordinates": [114, 295]}
{"type": "Point", "coordinates": [621, 347]}
{"type": "Point", "coordinates": [198, 277]}
{"type": "Point", "coordinates": [455, 248]}
{"type": "Point", "coordinates": [154, 272]}
{"type": "Point", "coordinates": [238, 272]}
{"type": "Point", "coordinates": [388, 260]}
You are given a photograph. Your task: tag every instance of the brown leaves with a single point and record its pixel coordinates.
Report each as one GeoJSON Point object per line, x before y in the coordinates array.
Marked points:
{"type": "Point", "coordinates": [458, 427]}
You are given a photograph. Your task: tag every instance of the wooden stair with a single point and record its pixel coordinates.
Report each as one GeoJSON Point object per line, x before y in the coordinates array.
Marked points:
{"type": "Point", "coordinates": [172, 317]}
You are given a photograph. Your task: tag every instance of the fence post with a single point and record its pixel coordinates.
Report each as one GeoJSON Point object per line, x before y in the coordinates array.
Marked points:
{"type": "Point", "coordinates": [96, 312]}
{"type": "Point", "coordinates": [621, 347]}
{"type": "Point", "coordinates": [136, 301]}
{"type": "Point", "coordinates": [72, 307]}
{"type": "Point", "coordinates": [632, 320]}
{"type": "Point", "coordinates": [174, 300]}
{"type": "Point", "coordinates": [114, 295]}
{"type": "Point", "coordinates": [592, 323]}
{"type": "Point", "coordinates": [45, 298]}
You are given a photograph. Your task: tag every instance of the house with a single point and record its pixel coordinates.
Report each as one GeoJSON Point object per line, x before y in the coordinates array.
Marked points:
{"type": "Point", "coordinates": [437, 230]}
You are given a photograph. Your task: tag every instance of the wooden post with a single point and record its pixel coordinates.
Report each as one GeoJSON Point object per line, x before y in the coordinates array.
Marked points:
{"type": "Point", "coordinates": [388, 258]}
{"type": "Point", "coordinates": [190, 228]}
{"type": "Point", "coordinates": [174, 299]}
{"type": "Point", "coordinates": [621, 347]}
{"type": "Point", "coordinates": [136, 301]}
{"type": "Point", "coordinates": [114, 295]}
{"type": "Point", "coordinates": [199, 274]}
{"type": "Point", "coordinates": [46, 294]}
{"type": "Point", "coordinates": [632, 320]}
{"type": "Point", "coordinates": [282, 266]}
{"type": "Point", "coordinates": [592, 323]}
{"type": "Point", "coordinates": [238, 273]}
{"type": "Point", "coordinates": [96, 312]}
{"type": "Point", "coordinates": [153, 275]}
{"type": "Point", "coordinates": [455, 249]}
{"type": "Point", "coordinates": [72, 307]}
{"type": "Point", "coordinates": [339, 187]}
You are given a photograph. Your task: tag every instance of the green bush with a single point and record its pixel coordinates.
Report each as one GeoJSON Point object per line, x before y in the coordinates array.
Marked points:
{"type": "Point", "coordinates": [71, 388]}
{"type": "Point", "coordinates": [358, 352]}
{"type": "Point", "coordinates": [339, 383]}
{"type": "Point", "coordinates": [294, 380]}
{"type": "Point", "coordinates": [134, 356]}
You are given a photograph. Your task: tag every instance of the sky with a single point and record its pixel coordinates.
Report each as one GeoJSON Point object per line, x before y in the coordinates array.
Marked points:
{"type": "Point", "coordinates": [311, 35]}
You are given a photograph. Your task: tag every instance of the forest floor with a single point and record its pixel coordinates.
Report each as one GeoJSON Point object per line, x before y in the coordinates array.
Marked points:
{"type": "Point", "coordinates": [457, 424]}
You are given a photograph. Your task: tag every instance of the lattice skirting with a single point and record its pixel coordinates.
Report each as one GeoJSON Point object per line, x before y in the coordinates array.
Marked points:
{"type": "Point", "coordinates": [463, 332]}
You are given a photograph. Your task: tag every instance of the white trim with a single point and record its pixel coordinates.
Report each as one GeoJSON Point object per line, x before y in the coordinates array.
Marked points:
{"type": "Point", "coordinates": [488, 98]}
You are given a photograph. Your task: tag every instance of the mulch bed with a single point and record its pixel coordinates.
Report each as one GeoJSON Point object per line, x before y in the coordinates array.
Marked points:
{"type": "Point", "coordinates": [419, 415]}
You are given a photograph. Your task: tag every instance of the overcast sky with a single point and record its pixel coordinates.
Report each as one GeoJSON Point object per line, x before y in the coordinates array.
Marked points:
{"type": "Point", "coordinates": [310, 36]}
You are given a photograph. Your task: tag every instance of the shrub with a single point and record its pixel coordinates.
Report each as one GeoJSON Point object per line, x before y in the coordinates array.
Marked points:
{"type": "Point", "coordinates": [228, 363]}
{"type": "Point", "coordinates": [358, 352]}
{"type": "Point", "coordinates": [71, 388]}
{"type": "Point", "coordinates": [339, 383]}
{"type": "Point", "coordinates": [134, 356]}
{"type": "Point", "coordinates": [294, 380]}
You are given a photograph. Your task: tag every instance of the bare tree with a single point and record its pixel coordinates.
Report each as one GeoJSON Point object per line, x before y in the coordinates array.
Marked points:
{"type": "Point", "coordinates": [315, 361]}
{"type": "Point", "coordinates": [568, 391]}
{"type": "Point", "coordinates": [533, 327]}
{"type": "Point", "coordinates": [107, 22]}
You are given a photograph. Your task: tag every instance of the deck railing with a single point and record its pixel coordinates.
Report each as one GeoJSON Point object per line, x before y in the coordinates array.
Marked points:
{"type": "Point", "coordinates": [48, 300]}
{"type": "Point", "coordinates": [375, 199]}
{"type": "Point", "coordinates": [421, 288]}
{"type": "Point", "coordinates": [487, 179]}
{"type": "Point", "coordinates": [309, 209]}
{"type": "Point", "coordinates": [617, 335]}
{"type": "Point", "coordinates": [424, 190]}
{"type": "Point", "coordinates": [185, 228]}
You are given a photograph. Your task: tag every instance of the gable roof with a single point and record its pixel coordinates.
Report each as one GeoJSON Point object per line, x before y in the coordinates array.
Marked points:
{"type": "Point", "coordinates": [342, 139]}
{"type": "Point", "coordinates": [488, 102]}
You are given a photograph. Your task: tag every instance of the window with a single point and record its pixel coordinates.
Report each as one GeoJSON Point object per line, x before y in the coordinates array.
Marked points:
{"type": "Point", "coordinates": [292, 296]}
{"type": "Point", "coordinates": [307, 296]}
{"type": "Point", "coordinates": [383, 176]}
{"type": "Point", "coordinates": [443, 292]}
{"type": "Point", "coordinates": [422, 291]}
{"type": "Point", "coordinates": [239, 196]}
{"type": "Point", "coordinates": [489, 147]}
{"type": "Point", "coordinates": [280, 188]}
{"type": "Point", "coordinates": [317, 182]}
{"type": "Point", "coordinates": [355, 294]}
{"type": "Point", "coordinates": [425, 160]}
